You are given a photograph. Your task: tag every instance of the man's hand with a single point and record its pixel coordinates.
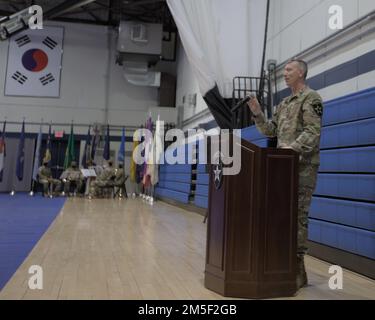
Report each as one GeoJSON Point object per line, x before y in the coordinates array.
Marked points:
{"type": "Point", "coordinates": [254, 106]}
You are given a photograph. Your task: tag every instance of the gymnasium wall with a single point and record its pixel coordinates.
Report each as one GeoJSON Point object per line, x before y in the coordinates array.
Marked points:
{"type": "Point", "coordinates": [91, 82]}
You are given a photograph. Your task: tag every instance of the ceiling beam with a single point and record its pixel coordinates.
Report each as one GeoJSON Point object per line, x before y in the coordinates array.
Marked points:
{"type": "Point", "coordinates": [140, 2]}
{"type": "Point", "coordinates": [66, 7]}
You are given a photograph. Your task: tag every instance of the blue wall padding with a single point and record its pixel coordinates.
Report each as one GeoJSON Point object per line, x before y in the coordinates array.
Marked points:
{"type": "Point", "coordinates": [352, 107]}
{"type": "Point", "coordinates": [348, 134]}
{"type": "Point", "coordinates": [177, 186]}
{"type": "Point", "coordinates": [351, 213]}
{"type": "Point", "coordinates": [178, 177]}
{"type": "Point", "coordinates": [358, 241]}
{"type": "Point", "coordinates": [201, 190]}
{"type": "Point", "coordinates": [171, 194]}
{"type": "Point", "coordinates": [176, 168]}
{"type": "Point", "coordinates": [182, 151]}
{"type": "Point", "coordinates": [201, 201]}
{"type": "Point", "coordinates": [202, 178]}
{"type": "Point", "coordinates": [348, 160]}
{"type": "Point", "coordinates": [353, 186]}
{"type": "Point", "coordinates": [201, 168]}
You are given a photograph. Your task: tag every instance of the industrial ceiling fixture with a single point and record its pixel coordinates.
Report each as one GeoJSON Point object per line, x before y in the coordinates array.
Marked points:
{"type": "Point", "coordinates": [101, 12]}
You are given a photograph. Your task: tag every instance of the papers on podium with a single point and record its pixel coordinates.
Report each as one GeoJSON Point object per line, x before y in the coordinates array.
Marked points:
{"type": "Point", "coordinates": [87, 173]}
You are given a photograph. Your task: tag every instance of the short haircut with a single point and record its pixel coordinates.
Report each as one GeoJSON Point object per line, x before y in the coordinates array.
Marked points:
{"type": "Point", "coordinates": [302, 65]}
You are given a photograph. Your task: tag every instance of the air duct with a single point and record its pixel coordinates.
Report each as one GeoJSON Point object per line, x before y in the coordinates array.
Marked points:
{"type": "Point", "coordinates": [138, 73]}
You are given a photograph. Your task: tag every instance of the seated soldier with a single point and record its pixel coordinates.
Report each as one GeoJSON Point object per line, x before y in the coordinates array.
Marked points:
{"type": "Point", "coordinates": [72, 175]}
{"type": "Point", "coordinates": [119, 181]}
{"type": "Point", "coordinates": [104, 180]}
{"type": "Point", "coordinates": [90, 165]}
{"type": "Point", "coordinates": [45, 178]}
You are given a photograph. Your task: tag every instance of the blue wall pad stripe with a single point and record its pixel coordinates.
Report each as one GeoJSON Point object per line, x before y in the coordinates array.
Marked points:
{"type": "Point", "coordinates": [201, 201]}
{"type": "Point", "coordinates": [170, 194]}
{"type": "Point", "coordinates": [350, 239]}
{"type": "Point", "coordinates": [201, 168]}
{"type": "Point", "coordinates": [203, 178]}
{"type": "Point", "coordinates": [183, 151]}
{"type": "Point", "coordinates": [353, 186]}
{"type": "Point", "coordinates": [23, 221]}
{"type": "Point", "coordinates": [175, 168]}
{"type": "Point", "coordinates": [348, 160]}
{"type": "Point", "coordinates": [348, 134]}
{"type": "Point", "coordinates": [177, 186]}
{"type": "Point", "coordinates": [201, 190]}
{"type": "Point", "coordinates": [350, 213]}
{"type": "Point", "coordinates": [178, 177]}
{"type": "Point", "coordinates": [354, 107]}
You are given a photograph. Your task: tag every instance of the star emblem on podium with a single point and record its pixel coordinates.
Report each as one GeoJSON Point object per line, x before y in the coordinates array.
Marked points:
{"type": "Point", "coordinates": [217, 172]}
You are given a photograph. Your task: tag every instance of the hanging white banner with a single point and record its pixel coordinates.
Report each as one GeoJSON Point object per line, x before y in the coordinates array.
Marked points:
{"type": "Point", "coordinates": [34, 63]}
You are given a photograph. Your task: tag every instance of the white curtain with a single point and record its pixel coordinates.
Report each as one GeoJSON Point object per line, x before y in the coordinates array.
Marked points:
{"type": "Point", "coordinates": [222, 39]}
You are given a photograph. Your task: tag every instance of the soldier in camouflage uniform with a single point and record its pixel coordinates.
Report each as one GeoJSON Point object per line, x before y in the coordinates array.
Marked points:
{"type": "Point", "coordinates": [119, 181]}
{"type": "Point", "coordinates": [72, 175]}
{"type": "Point", "coordinates": [297, 124]}
{"type": "Point", "coordinates": [104, 180]}
{"type": "Point", "coordinates": [45, 178]}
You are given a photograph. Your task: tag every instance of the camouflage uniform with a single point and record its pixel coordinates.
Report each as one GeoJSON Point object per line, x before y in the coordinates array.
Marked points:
{"type": "Point", "coordinates": [120, 181]}
{"type": "Point", "coordinates": [105, 179]}
{"type": "Point", "coordinates": [45, 178]}
{"type": "Point", "coordinates": [72, 175]}
{"type": "Point", "coordinates": [297, 123]}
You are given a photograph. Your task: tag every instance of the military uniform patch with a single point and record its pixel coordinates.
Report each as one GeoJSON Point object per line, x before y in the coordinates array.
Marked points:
{"type": "Point", "coordinates": [318, 108]}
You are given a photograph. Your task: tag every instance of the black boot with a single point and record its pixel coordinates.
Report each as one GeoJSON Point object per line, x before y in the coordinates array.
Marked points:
{"type": "Point", "coordinates": [301, 272]}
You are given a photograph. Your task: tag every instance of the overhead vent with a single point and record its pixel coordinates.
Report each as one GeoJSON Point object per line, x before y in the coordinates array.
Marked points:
{"type": "Point", "coordinates": [139, 33]}
{"type": "Point", "coordinates": [138, 74]}
{"type": "Point", "coordinates": [140, 38]}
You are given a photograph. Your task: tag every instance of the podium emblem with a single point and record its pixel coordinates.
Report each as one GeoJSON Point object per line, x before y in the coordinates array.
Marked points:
{"type": "Point", "coordinates": [218, 171]}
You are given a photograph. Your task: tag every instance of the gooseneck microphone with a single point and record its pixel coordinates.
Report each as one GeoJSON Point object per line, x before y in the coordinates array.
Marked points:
{"type": "Point", "coordinates": [242, 102]}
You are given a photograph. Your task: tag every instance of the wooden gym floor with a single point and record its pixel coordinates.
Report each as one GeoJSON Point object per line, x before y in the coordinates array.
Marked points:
{"type": "Point", "coordinates": [127, 249]}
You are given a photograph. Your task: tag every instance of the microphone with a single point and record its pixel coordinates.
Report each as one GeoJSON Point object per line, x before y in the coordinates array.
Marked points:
{"type": "Point", "coordinates": [241, 102]}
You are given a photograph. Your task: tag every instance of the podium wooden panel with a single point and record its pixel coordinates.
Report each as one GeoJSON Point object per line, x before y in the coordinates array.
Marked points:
{"type": "Point", "coordinates": [252, 226]}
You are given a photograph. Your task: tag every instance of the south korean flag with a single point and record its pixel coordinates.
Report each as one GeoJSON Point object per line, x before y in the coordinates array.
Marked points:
{"type": "Point", "coordinates": [34, 63]}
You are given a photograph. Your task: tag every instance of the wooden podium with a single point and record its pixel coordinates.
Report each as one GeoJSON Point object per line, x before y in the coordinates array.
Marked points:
{"type": "Point", "coordinates": [252, 226]}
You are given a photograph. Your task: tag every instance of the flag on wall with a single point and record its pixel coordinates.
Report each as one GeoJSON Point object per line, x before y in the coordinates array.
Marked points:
{"type": "Point", "coordinates": [106, 153]}
{"type": "Point", "coordinates": [2, 151]}
{"type": "Point", "coordinates": [37, 154]}
{"type": "Point", "coordinates": [121, 152]}
{"type": "Point", "coordinates": [21, 154]}
{"type": "Point", "coordinates": [156, 153]}
{"type": "Point", "coordinates": [47, 155]}
{"type": "Point", "coordinates": [69, 153]}
{"type": "Point", "coordinates": [148, 145]}
{"type": "Point", "coordinates": [34, 63]}
{"type": "Point", "coordinates": [87, 152]}
{"type": "Point", "coordinates": [95, 142]}
{"type": "Point", "coordinates": [133, 165]}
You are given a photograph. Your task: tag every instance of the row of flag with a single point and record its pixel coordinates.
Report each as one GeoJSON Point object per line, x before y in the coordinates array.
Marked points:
{"type": "Point", "coordinates": [146, 173]}
{"type": "Point", "coordinates": [89, 154]}
{"type": "Point", "coordinates": [20, 153]}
